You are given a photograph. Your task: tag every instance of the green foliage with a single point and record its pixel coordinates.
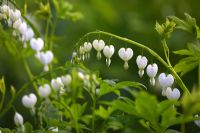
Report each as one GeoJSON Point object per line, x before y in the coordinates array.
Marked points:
{"type": "Point", "coordinates": [64, 10]}
{"type": "Point", "coordinates": [190, 62]}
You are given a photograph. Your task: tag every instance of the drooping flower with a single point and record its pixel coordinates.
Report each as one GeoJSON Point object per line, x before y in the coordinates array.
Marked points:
{"type": "Point", "coordinates": [82, 52]}
{"type": "Point", "coordinates": [98, 46]}
{"type": "Point", "coordinates": [45, 58]}
{"type": "Point", "coordinates": [125, 55]}
{"type": "Point", "coordinates": [23, 28]}
{"type": "Point", "coordinates": [67, 79]}
{"type": "Point", "coordinates": [37, 44]}
{"type": "Point", "coordinates": [165, 81]}
{"type": "Point", "coordinates": [141, 63]}
{"type": "Point", "coordinates": [44, 91]}
{"type": "Point", "coordinates": [17, 23]}
{"type": "Point", "coordinates": [28, 35]}
{"type": "Point", "coordinates": [152, 70]}
{"type": "Point", "coordinates": [14, 15]}
{"type": "Point", "coordinates": [57, 84]}
{"type": "Point", "coordinates": [29, 101]}
{"type": "Point", "coordinates": [87, 47]}
{"type": "Point", "coordinates": [5, 9]}
{"type": "Point", "coordinates": [108, 51]}
{"type": "Point", "coordinates": [172, 94]}
{"type": "Point", "coordinates": [18, 119]}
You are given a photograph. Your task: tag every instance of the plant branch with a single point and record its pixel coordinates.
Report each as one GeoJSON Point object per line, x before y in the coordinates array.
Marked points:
{"type": "Point", "coordinates": [153, 53]}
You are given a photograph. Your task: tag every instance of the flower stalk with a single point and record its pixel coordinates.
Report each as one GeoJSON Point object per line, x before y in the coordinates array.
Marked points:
{"type": "Point", "coordinates": [153, 53]}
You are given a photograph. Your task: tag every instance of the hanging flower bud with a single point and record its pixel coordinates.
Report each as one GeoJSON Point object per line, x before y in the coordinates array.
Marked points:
{"type": "Point", "coordinates": [141, 63]}
{"type": "Point", "coordinates": [172, 94]}
{"type": "Point", "coordinates": [29, 101]}
{"type": "Point", "coordinates": [57, 84]}
{"type": "Point", "coordinates": [125, 55]}
{"type": "Point", "coordinates": [14, 15]}
{"type": "Point", "coordinates": [37, 44]}
{"type": "Point", "coordinates": [88, 47]}
{"type": "Point", "coordinates": [44, 91]}
{"type": "Point", "coordinates": [98, 46]}
{"type": "Point", "coordinates": [67, 79]}
{"type": "Point", "coordinates": [151, 72]}
{"type": "Point", "coordinates": [18, 119]}
{"type": "Point", "coordinates": [108, 51]}
{"type": "Point", "coordinates": [45, 58]}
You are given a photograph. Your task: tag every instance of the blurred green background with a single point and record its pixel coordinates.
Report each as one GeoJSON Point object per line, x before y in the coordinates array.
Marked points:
{"type": "Point", "coordinates": [134, 19]}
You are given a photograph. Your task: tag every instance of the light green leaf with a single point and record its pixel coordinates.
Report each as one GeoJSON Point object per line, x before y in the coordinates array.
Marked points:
{"type": "Point", "coordinates": [186, 65]}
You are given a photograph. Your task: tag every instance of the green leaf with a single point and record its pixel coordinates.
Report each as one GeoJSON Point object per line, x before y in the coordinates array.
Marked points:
{"type": "Point", "coordinates": [28, 127]}
{"type": "Point", "coordinates": [146, 107]}
{"type": "Point", "coordinates": [168, 116]}
{"type": "Point", "coordinates": [125, 105]}
{"type": "Point", "coordinates": [104, 113]}
{"type": "Point", "coordinates": [191, 103]}
{"type": "Point", "coordinates": [183, 52]}
{"type": "Point", "coordinates": [186, 65]}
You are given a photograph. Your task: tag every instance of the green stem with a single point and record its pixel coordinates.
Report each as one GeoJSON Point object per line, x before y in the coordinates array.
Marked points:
{"type": "Point", "coordinates": [30, 75]}
{"type": "Point", "coordinates": [182, 128]}
{"type": "Point", "coordinates": [25, 7]}
{"type": "Point", "coordinates": [93, 114]}
{"type": "Point", "coordinates": [2, 101]}
{"type": "Point", "coordinates": [153, 53]}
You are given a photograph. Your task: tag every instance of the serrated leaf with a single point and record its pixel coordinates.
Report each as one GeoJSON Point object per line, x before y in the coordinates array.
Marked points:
{"type": "Point", "coordinates": [104, 113]}
{"type": "Point", "coordinates": [146, 106]}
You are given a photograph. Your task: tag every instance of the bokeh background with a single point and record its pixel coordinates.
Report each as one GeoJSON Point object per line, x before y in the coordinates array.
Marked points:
{"type": "Point", "coordinates": [134, 19]}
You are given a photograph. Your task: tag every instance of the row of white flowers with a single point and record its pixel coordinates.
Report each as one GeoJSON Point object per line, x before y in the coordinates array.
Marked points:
{"type": "Point", "coordinates": [25, 34]}
{"type": "Point", "coordinates": [142, 62]}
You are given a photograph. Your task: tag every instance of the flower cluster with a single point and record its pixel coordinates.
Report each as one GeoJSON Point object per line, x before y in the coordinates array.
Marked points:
{"type": "Point", "coordinates": [142, 62]}
{"type": "Point", "coordinates": [166, 81]}
{"type": "Point", "coordinates": [25, 34]}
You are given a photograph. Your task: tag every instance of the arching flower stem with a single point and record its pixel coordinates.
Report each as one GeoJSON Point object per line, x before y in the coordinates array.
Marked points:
{"type": "Point", "coordinates": [153, 53]}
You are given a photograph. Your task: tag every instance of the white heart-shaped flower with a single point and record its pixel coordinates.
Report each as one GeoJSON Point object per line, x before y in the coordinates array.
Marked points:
{"type": "Point", "coordinates": [44, 91]}
{"type": "Point", "coordinates": [14, 15]}
{"type": "Point", "coordinates": [57, 84]}
{"type": "Point", "coordinates": [5, 9]}
{"type": "Point", "coordinates": [152, 70]}
{"type": "Point", "coordinates": [172, 94]}
{"type": "Point", "coordinates": [18, 119]}
{"type": "Point", "coordinates": [37, 44]}
{"type": "Point", "coordinates": [17, 23]}
{"type": "Point", "coordinates": [29, 101]}
{"type": "Point", "coordinates": [67, 79]}
{"type": "Point", "coordinates": [108, 51]}
{"type": "Point", "coordinates": [125, 54]}
{"type": "Point", "coordinates": [141, 62]}
{"type": "Point", "coordinates": [46, 57]}
{"type": "Point", "coordinates": [28, 35]}
{"type": "Point", "coordinates": [98, 45]}
{"type": "Point", "coordinates": [22, 28]}
{"type": "Point", "coordinates": [165, 81]}
{"type": "Point", "coordinates": [87, 46]}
